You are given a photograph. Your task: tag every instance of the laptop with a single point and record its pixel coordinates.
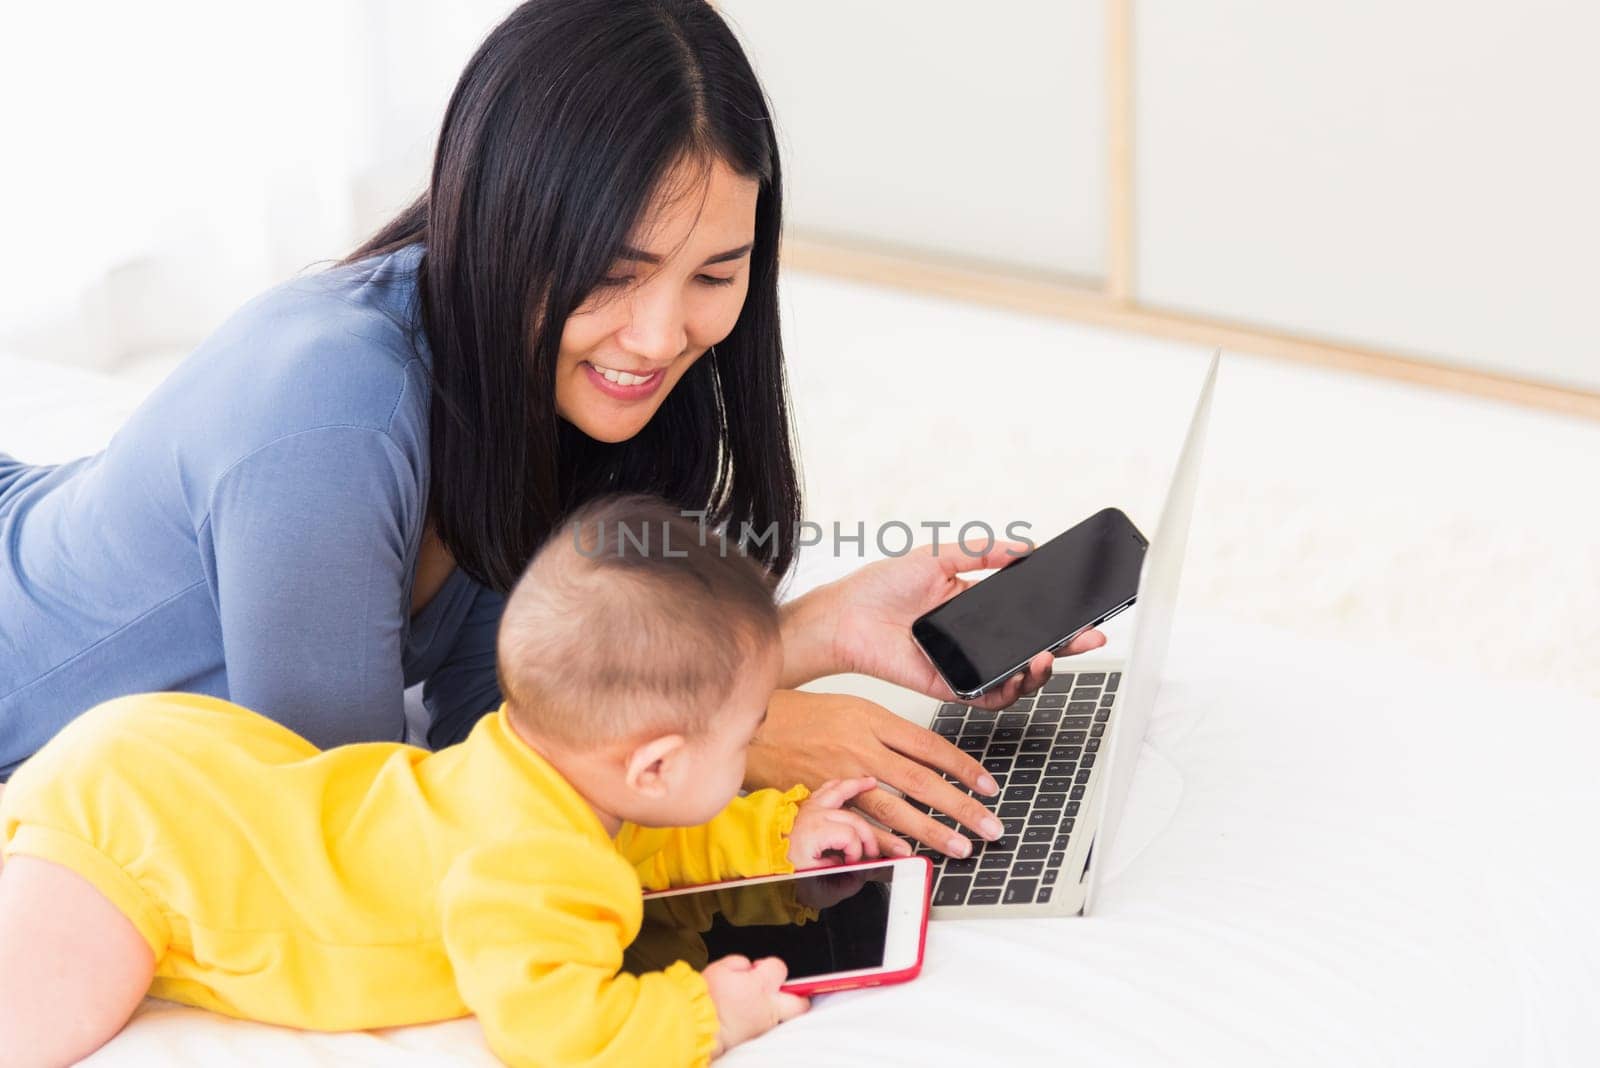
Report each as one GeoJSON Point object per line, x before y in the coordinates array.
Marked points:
{"type": "Point", "coordinates": [1064, 757]}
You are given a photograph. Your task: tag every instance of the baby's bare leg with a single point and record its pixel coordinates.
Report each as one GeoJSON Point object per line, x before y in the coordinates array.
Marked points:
{"type": "Point", "coordinates": [72, 968]}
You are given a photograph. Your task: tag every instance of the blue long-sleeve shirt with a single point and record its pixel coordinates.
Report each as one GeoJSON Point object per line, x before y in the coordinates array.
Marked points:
{"type": "Point", "coordinates": [251, 533]}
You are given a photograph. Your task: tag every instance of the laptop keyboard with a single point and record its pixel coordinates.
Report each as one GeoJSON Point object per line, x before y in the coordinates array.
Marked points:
{"type": "Point", "coordinates": [1042, 752]}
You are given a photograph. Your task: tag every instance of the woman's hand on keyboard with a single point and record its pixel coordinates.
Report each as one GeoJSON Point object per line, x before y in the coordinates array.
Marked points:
{"type": "Point", "coordinates": [811, 738]}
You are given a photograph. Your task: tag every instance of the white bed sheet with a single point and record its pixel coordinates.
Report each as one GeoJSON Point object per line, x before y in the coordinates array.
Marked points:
{"type": "Point", "coordinates": [1332, 858]}
{"type": "Point", "coordinates": [1336, 854]}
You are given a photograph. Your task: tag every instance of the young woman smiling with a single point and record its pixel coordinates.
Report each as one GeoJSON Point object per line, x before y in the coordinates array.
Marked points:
{"type": "Point", "coordinates": [327, 501]}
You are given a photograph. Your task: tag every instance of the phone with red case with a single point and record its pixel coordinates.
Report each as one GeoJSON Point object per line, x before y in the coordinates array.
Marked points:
{"type": "Point", "coordinates": [836, 928]}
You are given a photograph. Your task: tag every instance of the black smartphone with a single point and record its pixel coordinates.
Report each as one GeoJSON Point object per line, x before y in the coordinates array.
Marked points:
{"type": "Point", "coordinates": [1074, 581]}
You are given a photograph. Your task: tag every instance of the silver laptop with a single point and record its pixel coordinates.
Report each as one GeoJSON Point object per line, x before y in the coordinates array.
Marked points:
{"type": "Point", "coordinates": [1065, 756]}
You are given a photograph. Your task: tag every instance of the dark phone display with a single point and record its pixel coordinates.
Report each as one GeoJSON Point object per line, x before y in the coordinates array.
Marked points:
{"type": "Point", "coordinates": [849, 931]}
{"type": "Point", "coordinates": [1063, 586]}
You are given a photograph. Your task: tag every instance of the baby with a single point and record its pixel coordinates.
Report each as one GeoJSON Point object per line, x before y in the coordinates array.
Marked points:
{"type": "Point", "coordinates": [185, 847]}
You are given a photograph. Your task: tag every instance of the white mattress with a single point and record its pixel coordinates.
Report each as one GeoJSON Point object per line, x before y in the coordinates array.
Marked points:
{"type": "Point", "coordinates": [1332, 859]}
{"type": "Point", "coordinates": [1360, 830]}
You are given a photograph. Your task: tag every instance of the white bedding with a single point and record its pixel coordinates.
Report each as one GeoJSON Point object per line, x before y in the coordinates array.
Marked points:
{"type": "Point", "coordinates": [1360, 831]}
{"type": "Point", "coordinates": [1332, 859]}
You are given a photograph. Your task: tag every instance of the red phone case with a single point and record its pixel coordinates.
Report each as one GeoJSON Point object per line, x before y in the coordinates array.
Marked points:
{"type": "Point", "coordinates": [806, 988]}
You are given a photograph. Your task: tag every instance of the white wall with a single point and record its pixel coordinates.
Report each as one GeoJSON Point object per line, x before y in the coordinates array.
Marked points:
{"type": "Point", "coordinates": [968, 130]}
{"type": "Point", "coordinates": [165, 161]}
{"type": "Point", "coordinates": [161, 159]}
{"type": "Point", "coordinates": [1418, 177]}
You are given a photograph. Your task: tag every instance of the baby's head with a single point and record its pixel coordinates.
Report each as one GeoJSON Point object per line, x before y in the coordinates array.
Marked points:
{"type": "Point", "coordinates": [640, 661]}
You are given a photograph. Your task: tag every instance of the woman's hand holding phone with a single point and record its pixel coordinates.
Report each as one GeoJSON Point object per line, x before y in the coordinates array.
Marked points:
{"type": "Point", "coordinates": [874, 607]}
{"type": "Point", "coordinates": [981, 639]}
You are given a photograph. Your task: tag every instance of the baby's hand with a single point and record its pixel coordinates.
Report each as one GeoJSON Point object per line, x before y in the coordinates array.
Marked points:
{"type": "Point", "coordinates": [824, 833]}
{"type": "Point", "coordinates": [748, 1000]}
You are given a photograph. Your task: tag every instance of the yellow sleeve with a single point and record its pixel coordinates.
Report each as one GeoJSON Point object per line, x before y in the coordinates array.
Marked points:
{"type": "Point", "coordinates": [750, 837]}
{"type": "Point", "coordinates": [535, 928]}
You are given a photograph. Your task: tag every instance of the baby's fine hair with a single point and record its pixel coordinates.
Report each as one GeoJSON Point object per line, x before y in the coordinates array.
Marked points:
{"type": "Point", "coordinates": [631, 619]}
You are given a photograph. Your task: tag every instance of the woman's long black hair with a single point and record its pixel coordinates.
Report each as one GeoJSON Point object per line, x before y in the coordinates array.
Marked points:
{"type": "Point", "coordinates": [562, 127]}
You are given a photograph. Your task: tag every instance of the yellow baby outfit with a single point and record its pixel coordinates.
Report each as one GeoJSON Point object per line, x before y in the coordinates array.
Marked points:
{"type": "Point", "coordinates": [379, 884]}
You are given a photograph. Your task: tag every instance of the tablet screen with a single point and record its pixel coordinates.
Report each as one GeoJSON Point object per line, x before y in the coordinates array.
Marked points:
{"type": "Point", "coordinates": [818, 923]}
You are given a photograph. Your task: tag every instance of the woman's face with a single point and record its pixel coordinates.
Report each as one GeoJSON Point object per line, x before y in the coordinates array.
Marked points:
{"type": "Point", "coordinates": [676, 292]}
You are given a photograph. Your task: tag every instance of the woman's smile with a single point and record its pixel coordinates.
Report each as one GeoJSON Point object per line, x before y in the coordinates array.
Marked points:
{"type": "Point", "coordinates": [624, 385]}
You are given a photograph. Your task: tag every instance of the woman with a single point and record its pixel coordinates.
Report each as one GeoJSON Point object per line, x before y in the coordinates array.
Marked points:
{"type": "Point", "coordinates": [327, 501]}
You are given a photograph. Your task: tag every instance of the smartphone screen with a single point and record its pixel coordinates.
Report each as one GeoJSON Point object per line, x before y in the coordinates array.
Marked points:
{"type": "Point", "coordinates": [819, 923]}
{"type": "Point", "coordinates": [1073, 581]}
